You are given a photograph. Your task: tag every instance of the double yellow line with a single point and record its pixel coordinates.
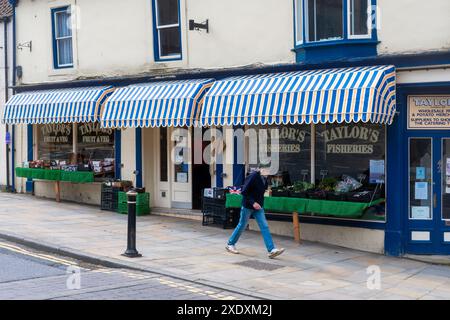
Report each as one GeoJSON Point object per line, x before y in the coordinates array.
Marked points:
{"type": "Point", "coordinates": [23, 251]}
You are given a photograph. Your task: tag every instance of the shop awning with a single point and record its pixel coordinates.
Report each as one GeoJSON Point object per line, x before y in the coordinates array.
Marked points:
{"type": "Point", "coordinates": [169, 103]}
{"type": "Point", "coordinates": [364, 94]}
{"type": "Point", "coordinates": [56, 106]}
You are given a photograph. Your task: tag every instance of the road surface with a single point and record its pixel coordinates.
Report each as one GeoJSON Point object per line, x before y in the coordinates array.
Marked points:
{"type": "Point", "coordinates": [27, 274]}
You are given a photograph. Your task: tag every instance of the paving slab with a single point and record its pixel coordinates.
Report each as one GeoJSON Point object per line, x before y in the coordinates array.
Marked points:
{"type": "Point", "coordinates": [185, 249]}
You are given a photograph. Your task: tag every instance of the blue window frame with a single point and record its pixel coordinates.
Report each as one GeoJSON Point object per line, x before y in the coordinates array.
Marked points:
{"type": "Point", "coordinates": [62, 38]}
{"type": "Point", "coordinates": [167, 30]}
{"type": "Point", "coordinates": [342, 28]}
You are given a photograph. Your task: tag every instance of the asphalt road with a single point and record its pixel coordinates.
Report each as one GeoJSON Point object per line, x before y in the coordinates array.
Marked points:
{"type": "Point", "coordinates": [27, 274]}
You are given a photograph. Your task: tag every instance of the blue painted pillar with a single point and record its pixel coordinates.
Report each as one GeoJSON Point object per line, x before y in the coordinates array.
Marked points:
{"type": "Point", "coordinates": [395, 197]}
{"type": "Point", "coordinates": [238, 165]}
{"type": "Point", "coordinates": [219, 168]}
{"type": "Point", "coordinates": [13, 158]}
{"type": "Point", "coordinates": [139, 157]}
{"type": "Point", "coordinates": [118, 153]}
{"type": "Point", "coordinates": [29, 186]}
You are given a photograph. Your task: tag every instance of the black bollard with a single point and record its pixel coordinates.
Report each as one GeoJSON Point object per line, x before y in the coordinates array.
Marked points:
{"type": "Point", "coordinates": [131, 241]}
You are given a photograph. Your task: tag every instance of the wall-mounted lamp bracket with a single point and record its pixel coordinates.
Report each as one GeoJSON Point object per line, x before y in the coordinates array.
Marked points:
{"type": "Point", "coordinates": [28, 44]}
{"type": "Point", "coordinates": [197, 26]}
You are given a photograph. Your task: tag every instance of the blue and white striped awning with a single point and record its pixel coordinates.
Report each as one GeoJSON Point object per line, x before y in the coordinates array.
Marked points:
{"type": "Point", "coordinates": [56, 106]}
{"type": "Point", "coordinates": [364, 94]}
{"type": "Point", "coordinates": [158, 104]}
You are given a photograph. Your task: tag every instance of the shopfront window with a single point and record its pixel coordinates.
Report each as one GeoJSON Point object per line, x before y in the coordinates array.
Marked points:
{"type": "Point", "coordinates": [349, 149]}
{"type": "Point", "coordinates": [350, 158]}
{"type": "Point", "coordinates": [77, 147]}
{"type": "Point", "coordinates": [95, 148]}
{"type": "Point", "coordinates": [292, 154]}
{"type": "Point", "coordinates": [55, 142]}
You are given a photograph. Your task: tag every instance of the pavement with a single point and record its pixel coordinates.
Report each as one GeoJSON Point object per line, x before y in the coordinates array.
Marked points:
{"type": "Point", "coordinates": [185, 250]}
{"type": "Point", "coordinates": [28, 274]}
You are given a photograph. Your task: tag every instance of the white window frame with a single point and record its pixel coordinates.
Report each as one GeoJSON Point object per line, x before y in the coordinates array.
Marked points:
{"type": "Point", "coordinates": [349, 22]}
{"type": "Point", "coordinates": [167, 26]}
{"type": "Point", "coordinates": [298, 23]}
{"type": "Point", "coordinates": [306, 24]}
{"type": "Point", "coordinates": [57, 39]}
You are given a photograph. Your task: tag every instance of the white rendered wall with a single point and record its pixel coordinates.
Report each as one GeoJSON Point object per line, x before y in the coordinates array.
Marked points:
{"type": "Point", "coordinates": [3, 170]}
{"type": "Point", "coordinates": [410, 26]}
{"type": "Point", "coordinates": [115, 38]}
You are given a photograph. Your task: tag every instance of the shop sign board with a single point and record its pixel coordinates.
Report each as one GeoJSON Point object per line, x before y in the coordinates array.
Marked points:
{"type": "Point", "coordinates": [91, 132]}
{"type": "Point", "coordinates": [56, 133]}
{"type": "Point", "coordinates": [429, 112]}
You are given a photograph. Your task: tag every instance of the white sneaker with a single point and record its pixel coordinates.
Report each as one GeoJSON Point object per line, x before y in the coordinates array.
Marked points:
{"type": "Point", "coordinates": [232, 249]}
{"type": "Point", "coordinates": [275, 252]}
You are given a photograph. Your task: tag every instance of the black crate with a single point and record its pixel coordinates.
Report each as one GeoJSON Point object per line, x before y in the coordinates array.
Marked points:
{"type": "Point", "coordinates": [215, 213]}
{"type": "Point", "coordinates": [228, 220]}
{"type": "Point", "coordinates": [109, 198]}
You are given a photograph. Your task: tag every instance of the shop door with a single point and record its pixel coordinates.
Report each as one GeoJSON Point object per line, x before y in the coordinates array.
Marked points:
{"type": "Point", "coordinates": [428, 191]}
{"type": "Point", "coordinates": [181, 169]}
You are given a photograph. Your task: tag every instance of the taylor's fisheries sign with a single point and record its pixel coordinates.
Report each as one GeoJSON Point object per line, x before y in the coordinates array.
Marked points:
{"type": "Point", "coordinates": [429, 112]}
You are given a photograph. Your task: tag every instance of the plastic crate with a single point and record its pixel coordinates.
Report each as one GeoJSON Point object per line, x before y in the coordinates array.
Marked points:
{"type": "Point", "coordinates": [109, 198]}
{"type": "Point", "coordinates": [216, 214]}
{"type": "Point", "coordinates": [141, 210]}
{"type": "Point", "coordinates": [109, 205]}
{"type": "Point", "coordinates": [141, 198]}
{"type": "Point", "coordinates": [229, 220]}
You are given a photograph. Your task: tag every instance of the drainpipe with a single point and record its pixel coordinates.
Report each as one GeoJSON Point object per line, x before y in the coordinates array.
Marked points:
{"type": "Point", "coordinates": [5, 48]}
{"type": "Point", "coordinates": [13, 3]}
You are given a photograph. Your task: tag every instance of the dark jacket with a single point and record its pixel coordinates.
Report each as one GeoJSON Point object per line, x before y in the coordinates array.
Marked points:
{"type": "Point", "coordinates": [253, 190]}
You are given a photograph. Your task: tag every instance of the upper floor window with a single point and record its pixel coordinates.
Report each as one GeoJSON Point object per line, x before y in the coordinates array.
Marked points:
{"type": "Point", "coordinates": [324, 20]}
{"type": "Point", "coordinates": [328, 20]}
{"type": "Point", "coordinates": [358, 18]}
{"type": "Point", "coordinates": [62, 38]}
{"type": "Point", "coordinates": [167, 37]}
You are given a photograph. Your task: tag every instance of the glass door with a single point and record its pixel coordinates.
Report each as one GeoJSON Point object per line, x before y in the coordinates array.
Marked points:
{"type": "Point", "coordinates": [428, 221]}
{"type": "Point", "coordinates": [444, 224]}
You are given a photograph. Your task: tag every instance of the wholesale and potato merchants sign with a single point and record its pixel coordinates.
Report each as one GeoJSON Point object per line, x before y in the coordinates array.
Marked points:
{"type": "Point", "coordinates": [429, 112]}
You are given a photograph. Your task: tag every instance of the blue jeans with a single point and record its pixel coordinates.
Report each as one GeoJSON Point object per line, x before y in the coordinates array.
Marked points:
{"type": "Point", "coordinates": [260, 217]}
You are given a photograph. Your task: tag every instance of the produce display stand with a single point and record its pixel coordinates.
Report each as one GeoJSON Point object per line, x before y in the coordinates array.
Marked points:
{"type": "Point", "coordinates": [296, 206]}
{"type": "Point", "coordinates": [57, 176]}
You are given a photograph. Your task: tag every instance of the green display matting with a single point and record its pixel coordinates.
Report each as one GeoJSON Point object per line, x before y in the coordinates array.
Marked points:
{"type": "Point", "coordinates": [56, 175]}
{"type": "Point", "coordinates": [318, 207]}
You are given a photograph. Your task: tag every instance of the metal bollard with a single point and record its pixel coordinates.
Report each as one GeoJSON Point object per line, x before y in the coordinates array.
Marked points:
{"type": "Point", "coordinates": [131, 251]}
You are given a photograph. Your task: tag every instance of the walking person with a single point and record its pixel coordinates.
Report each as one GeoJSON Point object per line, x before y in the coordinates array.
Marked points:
{"type": "Point", "coordinates": [253, 191]}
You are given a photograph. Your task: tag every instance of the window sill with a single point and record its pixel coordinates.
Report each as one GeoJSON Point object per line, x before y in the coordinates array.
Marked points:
{"type": "Point", "coordinates": [61, 72]}
{"type": "Point", "coordinates": [330, 43]}
{"type": "Point", "coordinates": [333, 50]}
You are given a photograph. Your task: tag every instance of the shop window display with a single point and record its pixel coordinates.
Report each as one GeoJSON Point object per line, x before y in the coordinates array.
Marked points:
{"type": "Point", "coordinates": [89, 148]}
{"type": "Point", "coordinates": [350, 164]}
{"type": "Point", "coordinates": [293, 152]}
{"type": "Point", "coordinates": [95, 149]}
{"type": "Point", "coordinates": [55, 142]}
{"type": "Point", "coordinates": [349, 169]}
